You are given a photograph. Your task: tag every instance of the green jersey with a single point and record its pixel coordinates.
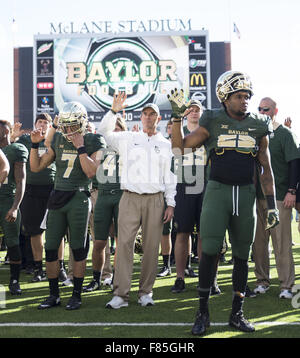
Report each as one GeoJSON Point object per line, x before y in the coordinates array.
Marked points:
{"type": "Point", "coordinates": [109, 171]}
{"type": "Point", "coordinates": [232, 145]}
{"type": "Point", "coordinates": [44, 177]}
{"type": "Point", "coordinates": [69, 174]}
{"type": "Point", "coordinates": [226, 133]}
{"type": "Point", "coordinates": [15, 153]}
{"type": "Point", "coordinates": [283, 148]}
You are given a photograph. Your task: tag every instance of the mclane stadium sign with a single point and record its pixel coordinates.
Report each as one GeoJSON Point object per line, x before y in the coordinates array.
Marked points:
{"type": "Point", "coordinates": [97, 27]}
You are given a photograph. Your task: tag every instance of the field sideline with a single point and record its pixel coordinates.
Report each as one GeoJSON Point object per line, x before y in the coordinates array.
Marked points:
{"type": "Point", "coordinates": [171, 317]}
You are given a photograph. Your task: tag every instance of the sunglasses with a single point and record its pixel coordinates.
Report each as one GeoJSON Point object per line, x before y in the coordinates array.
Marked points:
{"type": "Point", "coordinates": [263, 109]}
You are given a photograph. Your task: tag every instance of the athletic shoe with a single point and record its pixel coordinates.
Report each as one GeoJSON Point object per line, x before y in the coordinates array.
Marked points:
{"type": "Point", "coordinates": [249, 293]}
{"type": "Point", "coordinates": [49, 302]}
{"type": "Point", "coordinates": [179, 285]}
{"type": "Point", "coordinates": [62, 276]}
{"type": "Point", "coordinates": [202, 322]}
{"type": "Point", "coordinates": [214, 290]}
{"type": "Point", "coordinates": [146, 300]}
{"type": "Point", "coordinates": [189, 272]}
{"type": "Point", "coordinates": [74, 303]}
{"type": "Point", "coordinates": [261, 289]}
{"type": "Point", "coordinates": [107, 281]}
{"type": "Point", "coordinates": [239, 321]}
{"type": "Point", "coordinates": [6, 260]}
{"type": "Point", "coordinates": [165, 271]}
{"type": "Point", "coordinates": [116, 303]}
{"type": "Point", "coordinates": [67, 282]}
{"type": "Point", "coordinates": [92, 286]}
{"type": "Point", "coordinates": [286, 294]}
{"type": "Point", "coordinates": [14, 287]}
{"type": "Point", "coordinates": [39, 275]}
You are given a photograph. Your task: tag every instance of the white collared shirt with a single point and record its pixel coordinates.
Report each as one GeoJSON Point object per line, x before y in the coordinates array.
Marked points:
{"type": "Point", "coordinates": [145, 161]}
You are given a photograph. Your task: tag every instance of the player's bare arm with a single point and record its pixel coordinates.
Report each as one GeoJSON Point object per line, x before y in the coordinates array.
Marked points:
{"type": "Point", "coordinates": [38, 163]}
{"type": "Point", "coordinates": [51, 132]}
{"type": "Point", "coordinates": [4, 167]}
{"type": "Point", "coordinates": [266, 175]}
{"type": "Point", "coordinates": [193, 140]}
{"type": "Point", "coordinates": [267, 183]}
{"type": "Point", "coordinates": [20, 178]}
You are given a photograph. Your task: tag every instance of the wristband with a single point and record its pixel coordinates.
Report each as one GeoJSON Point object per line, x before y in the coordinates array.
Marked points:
{"type": "Point", "coordinates": [113, 111]}
{"type": "Point", "coordinates": [175, 115]}
{"type": "Point", "coordinates": [271, 202]}
{"type": "Point", "coordinates": [292, 191]}
{"type": "Point", "coordinates": [81, 150]}
{"type": "Point", "coordinates": [54, 126]}
{"type": "Point", "coordinates": [35, 145]}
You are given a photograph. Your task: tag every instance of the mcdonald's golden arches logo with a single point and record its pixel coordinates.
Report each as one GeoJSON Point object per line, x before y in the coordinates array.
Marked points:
{"type": "Point", "coordinates": [196, 79]}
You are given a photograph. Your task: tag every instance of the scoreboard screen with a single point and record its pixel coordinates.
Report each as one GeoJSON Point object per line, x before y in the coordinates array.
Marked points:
{"type": "Point", "coordinates": [147, 66]}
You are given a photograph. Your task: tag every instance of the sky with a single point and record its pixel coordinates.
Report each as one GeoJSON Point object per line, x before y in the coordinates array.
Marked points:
{"type": "Point", "coordinates": [268, 48]}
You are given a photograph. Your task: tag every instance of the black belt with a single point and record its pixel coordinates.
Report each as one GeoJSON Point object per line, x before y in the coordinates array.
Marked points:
{"type": "Point", "coordinates": [107, 191]}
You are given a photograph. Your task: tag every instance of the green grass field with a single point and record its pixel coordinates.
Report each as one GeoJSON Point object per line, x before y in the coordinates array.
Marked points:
{"type": "Point", "coordinates": [171, 317]}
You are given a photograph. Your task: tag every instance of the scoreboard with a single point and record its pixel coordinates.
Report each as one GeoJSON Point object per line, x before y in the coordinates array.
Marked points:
{"type": "Point", "coordinates": [147, 66]}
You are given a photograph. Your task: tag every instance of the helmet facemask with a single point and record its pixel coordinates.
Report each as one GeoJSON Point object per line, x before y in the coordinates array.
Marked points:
{"type": "Point", "coordinates": [231, 82]}
{"type": "Point", "coordinates": [72, 119]}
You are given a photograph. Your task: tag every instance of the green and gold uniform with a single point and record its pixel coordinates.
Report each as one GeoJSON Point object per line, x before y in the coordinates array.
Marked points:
{"type": "Point", "coordinates": [229, 200]}
{"type": "Point", "coordinates": [38, 188]}
{"type": "Point", "coordinates": [69, 205]}
{"type": "Point", "coordinates": [15, 153]}
{"type": "Point", "coordinates": [109, 194]}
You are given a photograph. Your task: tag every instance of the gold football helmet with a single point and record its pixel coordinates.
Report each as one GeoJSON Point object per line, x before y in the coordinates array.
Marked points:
{"type": "Point", "coordinates": [232, 81]}
{"type": "Point", "coordinates": [72, 119]}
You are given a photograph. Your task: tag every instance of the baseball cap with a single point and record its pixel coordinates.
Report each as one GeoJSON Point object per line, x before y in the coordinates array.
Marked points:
{"type": "Point", "coordinates": [153, 106]}
{"type": "Point", "coordinates": [195, 102]}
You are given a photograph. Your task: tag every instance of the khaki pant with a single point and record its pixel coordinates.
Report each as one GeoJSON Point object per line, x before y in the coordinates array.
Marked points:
{"type": "Point", "coordinates": [137, 210]}
{"type": "Point", "coordinates": [282, 244]}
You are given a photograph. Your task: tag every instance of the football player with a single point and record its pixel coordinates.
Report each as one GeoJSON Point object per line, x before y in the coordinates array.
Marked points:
{"type": "Point", "coordinates": [4, 167]}
{"type": "Point", "coordinates": [74, 153]}
{"type": "Point", "coordinates": [107, 206]}
{"type": "Point", "coordinates": [11, 195]}
{"type": "Point", "coordinates": [189, 191]}
{"type": "Point", "coordinates": [234, 140]}
{"type": "Point", "coordinates": [37, 191]}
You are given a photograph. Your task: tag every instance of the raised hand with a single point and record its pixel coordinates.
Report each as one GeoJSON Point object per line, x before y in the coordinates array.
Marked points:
{"type": "Point", "coordinates": [178, 103]}
{"type": "Point", "coordinates": [118, 102]}
{"type": "Point", "coordinates": [16, 132]}
{"type": "Point", "coordinates": [37, 136]}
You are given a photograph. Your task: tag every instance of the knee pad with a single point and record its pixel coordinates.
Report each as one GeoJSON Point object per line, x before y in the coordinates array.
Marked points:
{"type": "Point", "coordinates": [14, 253]}
{"type": "Point", "coordinates": [51, 255]}
{"type": "Point", "coordinates": [80, 254]}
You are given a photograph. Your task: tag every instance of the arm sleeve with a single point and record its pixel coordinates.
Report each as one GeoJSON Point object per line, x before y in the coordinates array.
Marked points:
{"type": "Point", "coordinates": [106, 128]}
{"type": "Point", "coordinates": [293, 173]}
